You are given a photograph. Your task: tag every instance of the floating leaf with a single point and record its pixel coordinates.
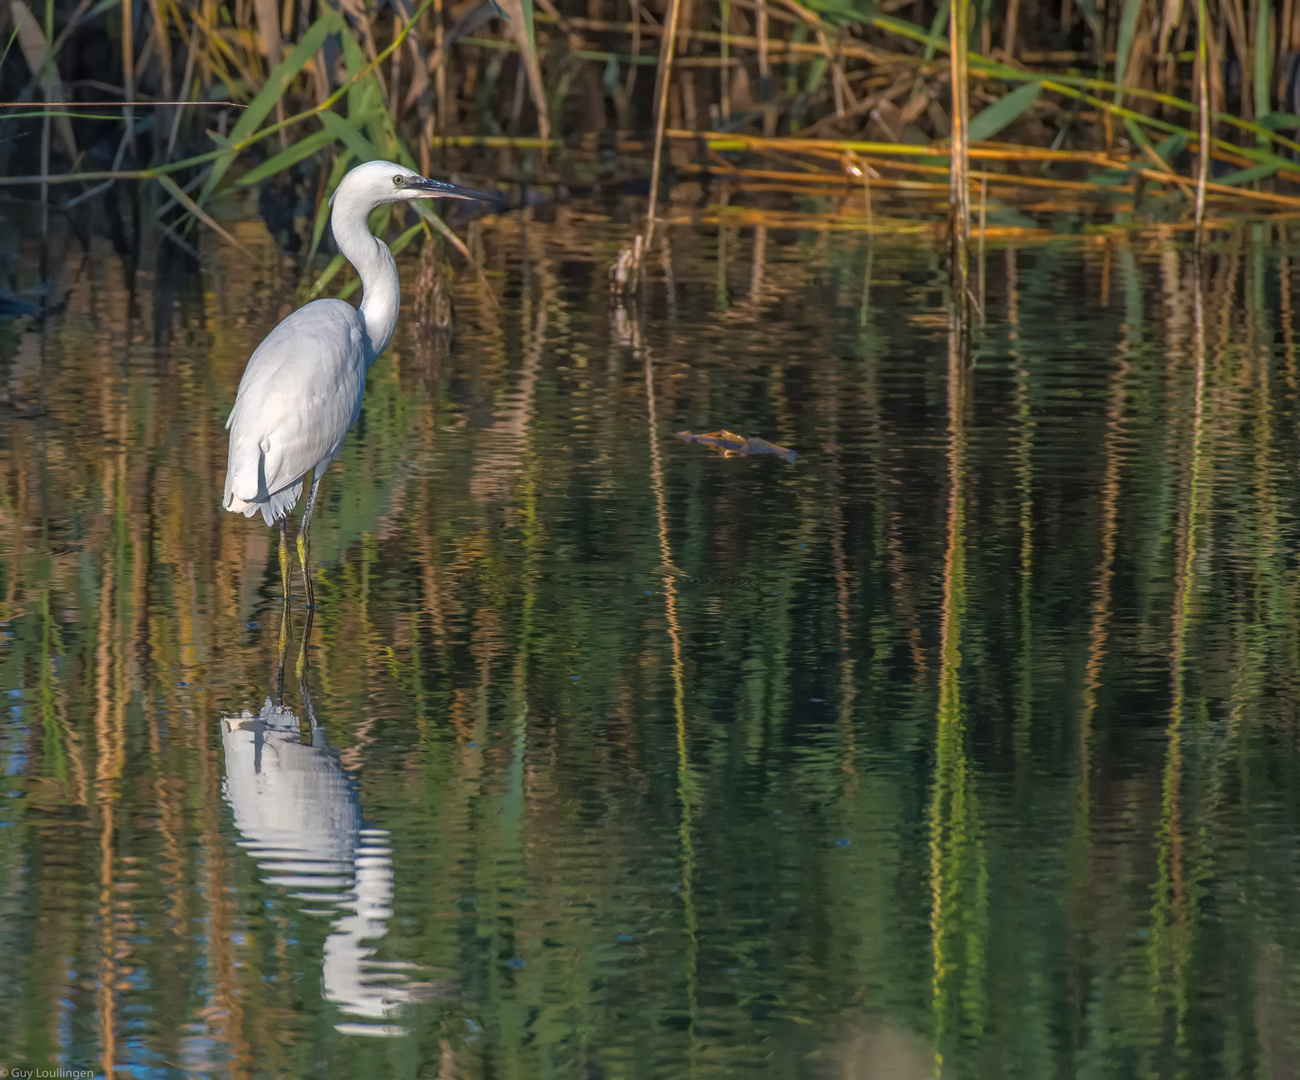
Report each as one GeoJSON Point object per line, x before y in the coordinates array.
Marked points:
{"type": "Point", "coordinates": [988, 122]}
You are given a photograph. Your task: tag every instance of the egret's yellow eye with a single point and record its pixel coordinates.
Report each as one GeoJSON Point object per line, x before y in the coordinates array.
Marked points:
{"type": "Point", "coordinates": [399, 180]}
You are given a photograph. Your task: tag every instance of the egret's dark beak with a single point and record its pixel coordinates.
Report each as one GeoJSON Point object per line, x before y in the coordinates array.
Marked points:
{"type": "Point", "coordinates": [439, 189]}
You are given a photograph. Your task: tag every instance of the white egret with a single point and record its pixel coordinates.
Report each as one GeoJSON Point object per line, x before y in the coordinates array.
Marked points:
{"type": "Point", "coordinates": [302, 388]}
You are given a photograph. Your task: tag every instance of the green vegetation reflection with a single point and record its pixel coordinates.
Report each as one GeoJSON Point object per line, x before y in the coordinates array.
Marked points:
{"type": "Point", "coordinates": [961, 737]}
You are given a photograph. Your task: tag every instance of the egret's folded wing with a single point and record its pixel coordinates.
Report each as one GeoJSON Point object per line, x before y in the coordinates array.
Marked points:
{"type": "Point", "coordinates": [299, 395]}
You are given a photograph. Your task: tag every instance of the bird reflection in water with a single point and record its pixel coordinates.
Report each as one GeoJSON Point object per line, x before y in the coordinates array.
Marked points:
{"type": "Point", "coordinates": [299, 814]}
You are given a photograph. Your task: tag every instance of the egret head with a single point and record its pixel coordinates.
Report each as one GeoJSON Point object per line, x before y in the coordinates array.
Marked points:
{"type": "Point", "coordinates": [378, 182]}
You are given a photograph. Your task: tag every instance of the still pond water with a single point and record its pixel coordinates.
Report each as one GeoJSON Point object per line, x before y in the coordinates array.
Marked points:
{"type": "Point", "coordinates": [962, 745]}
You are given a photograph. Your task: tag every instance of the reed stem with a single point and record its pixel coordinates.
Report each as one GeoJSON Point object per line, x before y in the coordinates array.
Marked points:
{"type": "Point", "coordinates": [1203, 87]}
{"type": "Point", "coordinates": [667, 51]}
{"type": "Point", "coordinates": [959, 168]}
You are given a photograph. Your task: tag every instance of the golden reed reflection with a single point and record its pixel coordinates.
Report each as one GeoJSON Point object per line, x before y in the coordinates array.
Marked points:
{"type": "Point", "coordinates": [1172, 916]}
{"type": "Point", "coordinates": [1025, 429]}
{"type": "Point", "coordinates": [685, 779]}
{"type": "Point", "coordinates": [449, 593]}
{"type": "Point", "coordinates": [958, 871]}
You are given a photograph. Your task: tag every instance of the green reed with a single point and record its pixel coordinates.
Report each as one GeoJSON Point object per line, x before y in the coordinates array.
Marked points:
{"type": "Point", "coordinates": [1143, 85]}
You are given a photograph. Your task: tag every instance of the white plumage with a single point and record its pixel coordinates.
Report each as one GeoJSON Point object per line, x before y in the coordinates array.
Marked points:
{"type": "Point", "coordinates": [300, 394]}
{"type": "Point", "coordinates": [302, 388]}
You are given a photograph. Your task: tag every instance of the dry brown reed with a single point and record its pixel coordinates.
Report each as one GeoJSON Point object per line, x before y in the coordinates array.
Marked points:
{"type": "Point", "coordinates": [1195, 99]}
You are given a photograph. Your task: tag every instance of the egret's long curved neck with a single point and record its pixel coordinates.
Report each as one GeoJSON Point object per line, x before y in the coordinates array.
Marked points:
{"type": "Point", "coordinates": [382, 290]}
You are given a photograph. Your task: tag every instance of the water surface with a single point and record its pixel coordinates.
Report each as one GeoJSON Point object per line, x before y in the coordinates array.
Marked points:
{"type": "Point", "coordinates": [964, 744]}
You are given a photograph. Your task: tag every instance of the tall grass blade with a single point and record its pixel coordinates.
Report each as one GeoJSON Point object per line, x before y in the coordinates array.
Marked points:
{"type": "Point", "coordinates": [530, 33]}
{"type": "Point", "coordinates": [1263, 59]}
{"type": "Point", "coordinates": [1274, 121]}
{"type": "Point", "coordinates": [1248, 176]}
{"type": "Point", "coordinates": [1076, 86]}
{"type": "Point", "coordinates": [348, 132]}
{"type": "Point", "coordinates": [366, 94]}
{"type": "Point", "coordinates": [1140, 137]}
{"type": "Point", "coordinates": [1170, 148]}
{"type": "Point", "coordinates": [1124, 42]}
{"type": "Point", "coordinates": [13, 36]}
{"type": "Point", "coordinates": [959, 168]}
{"type": "Point", "coordinates": [667, 52]}
{"type": "Point", "coordinates": [178, 193]}
{"type": "Point", "coordinates": [40, 114]}
{"type": "Point", "coordinates": [430, 215]}
{"type": "Point", "coordinates": [1093, 18]}
{"type": "Point", "coordinates": [276, 86]}
{"type": "Point", "coordinates": [268, 28]}
{"type": "Point", "coordinates": [326, 276]}
{"type": "Point", "coordinates": [341, 164]}
{"type": "Point", "coordinates": [290, 156]}
{"type": "Point", "coordinates": [1203, 87]}
{"type": "Point", "coordinates": [1006, 111]}
{"type": "Point", "coordinates": [935, 36]}
{"type": "Point", "coordinates": [36, 51]}
{"type": "Point", "coordinates": [520, 24]}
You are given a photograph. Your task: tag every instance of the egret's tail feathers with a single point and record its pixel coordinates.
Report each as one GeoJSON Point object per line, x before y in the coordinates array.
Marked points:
{"type": "Point", "coordinates": [246, 484]}
{"type": "Point", "coordinates": [272, 508]}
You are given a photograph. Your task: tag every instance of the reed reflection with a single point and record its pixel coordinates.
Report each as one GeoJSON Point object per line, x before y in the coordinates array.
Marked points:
{"type": "Point", "coordinates": [299, 814]}
{"type": "Point", "coordinates": [973, 732]}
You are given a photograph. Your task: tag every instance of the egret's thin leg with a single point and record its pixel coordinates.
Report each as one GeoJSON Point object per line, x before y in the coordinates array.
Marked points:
{"type": "Point", "coordinates": [304, 541]}
{"type": "Point", "coordinates": [286, 569]}
{"type": "Point", "coordinates": [286, 575]}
